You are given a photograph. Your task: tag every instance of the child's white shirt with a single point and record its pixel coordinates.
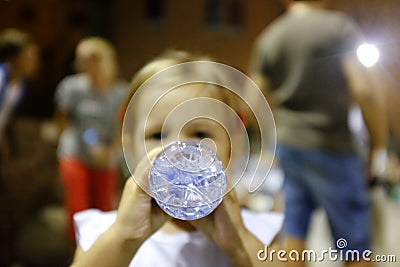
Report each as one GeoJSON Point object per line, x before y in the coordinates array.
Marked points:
{"type": "Point", "coordinates": [184, 249]}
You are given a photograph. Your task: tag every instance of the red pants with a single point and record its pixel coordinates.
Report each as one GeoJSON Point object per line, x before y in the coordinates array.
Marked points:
{"type": "Point", "coordinates": [86, 188]}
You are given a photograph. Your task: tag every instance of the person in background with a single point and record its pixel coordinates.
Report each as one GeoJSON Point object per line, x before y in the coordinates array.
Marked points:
{"type": "Point", "coordinates": [19, 57]}
{"type": "Point", "coordinates": [305, 62]}
{"type": "Point", "coordinates": [87, 109]}
{"type": "Point", "coordinates": [19, 61]}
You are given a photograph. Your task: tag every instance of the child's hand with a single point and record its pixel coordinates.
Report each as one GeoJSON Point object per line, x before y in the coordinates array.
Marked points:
{"type": "Point", "coordinates": [138, 216]}
{"type": "Point", "coordinates": [224, 225]}
{"type": "Point", "coordinates": [137, 219]}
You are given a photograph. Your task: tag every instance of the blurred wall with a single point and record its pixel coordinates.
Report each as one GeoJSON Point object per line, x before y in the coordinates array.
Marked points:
{"type": "Point", "coordinates": [225, 31]}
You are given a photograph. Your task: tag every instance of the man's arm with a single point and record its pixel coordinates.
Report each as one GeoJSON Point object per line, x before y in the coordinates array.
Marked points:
{"type": "Point", "coordinates": [367, 94]}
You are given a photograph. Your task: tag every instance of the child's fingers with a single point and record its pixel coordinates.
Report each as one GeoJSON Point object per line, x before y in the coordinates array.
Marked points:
{"type": "Point", "coordinates": [135, 207]}
{"type": "Point", "coordinates": [205, 224]}
{"type": "Point", "coordinates": [137, 186]}
{"type": "Point", "coordinates": [158, 217]}
{"type": "Point", "coordinates": [141, 175]}
{"type": "Point", "coordinates": [228, 205]}
{"type": "Point", "coordinates": [231, 200]}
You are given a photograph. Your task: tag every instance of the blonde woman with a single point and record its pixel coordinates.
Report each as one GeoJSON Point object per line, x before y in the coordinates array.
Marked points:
{"type": "Point", "coordinates": [87, 107]}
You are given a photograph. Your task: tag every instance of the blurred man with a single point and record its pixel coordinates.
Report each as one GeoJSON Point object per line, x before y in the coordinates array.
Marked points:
{"type": "Point", "coordinates": [19, 59]}
{"type": "Point", "coordinates": [306, 64]}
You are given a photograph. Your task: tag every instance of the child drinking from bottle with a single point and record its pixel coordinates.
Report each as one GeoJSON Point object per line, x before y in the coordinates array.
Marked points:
{"type": "Point", "coordinates": [159, 112]}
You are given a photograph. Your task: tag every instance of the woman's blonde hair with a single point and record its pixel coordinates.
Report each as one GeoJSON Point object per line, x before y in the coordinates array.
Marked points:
{"type": "Point", "coordinates": [104, 51]}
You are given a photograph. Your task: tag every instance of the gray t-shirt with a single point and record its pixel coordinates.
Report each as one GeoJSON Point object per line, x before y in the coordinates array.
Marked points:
{"type": "Point", "coordinates": [93, 115]}
{"type": "Point", "coordinates": [302, 57]}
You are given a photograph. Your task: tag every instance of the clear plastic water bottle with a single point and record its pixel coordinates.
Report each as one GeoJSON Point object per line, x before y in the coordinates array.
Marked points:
{"type": "Point", "coordinates": [187, 180]}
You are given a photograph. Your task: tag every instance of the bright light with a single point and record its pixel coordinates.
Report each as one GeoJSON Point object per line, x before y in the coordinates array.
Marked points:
{"type": "Point", "coordinates": [368, 55]}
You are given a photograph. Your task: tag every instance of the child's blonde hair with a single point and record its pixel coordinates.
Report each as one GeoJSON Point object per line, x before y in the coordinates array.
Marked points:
{"type": "Point", "coordinates": [104, 51]}
{"type": "Point", "coordinates": [172, 58]}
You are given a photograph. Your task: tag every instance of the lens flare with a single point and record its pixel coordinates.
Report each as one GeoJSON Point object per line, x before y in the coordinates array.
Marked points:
{"type": "Point", "coordinates": [368, 55]}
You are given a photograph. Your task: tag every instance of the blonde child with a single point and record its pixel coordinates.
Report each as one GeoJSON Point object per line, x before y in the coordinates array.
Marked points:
{"type": "Point", "coordinates": [139, 233]}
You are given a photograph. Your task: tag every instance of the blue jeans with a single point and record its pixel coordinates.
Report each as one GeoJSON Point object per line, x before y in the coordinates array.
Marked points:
{"type": "Point", "coordinates": [335, 182]}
